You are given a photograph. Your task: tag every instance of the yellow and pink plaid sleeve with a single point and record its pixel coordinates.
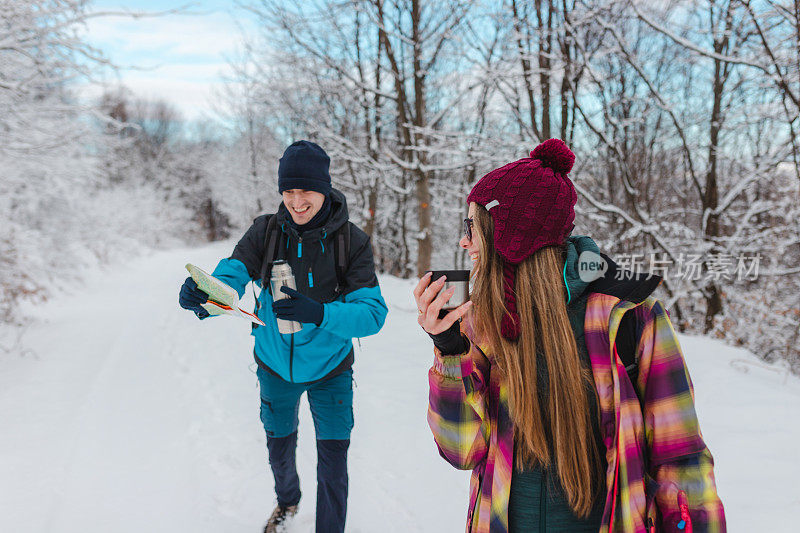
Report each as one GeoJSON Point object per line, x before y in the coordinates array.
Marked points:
{"type": "Point", "coordinates": [457, 413]}
{"type": "Point", "coordinates": [679, 460]}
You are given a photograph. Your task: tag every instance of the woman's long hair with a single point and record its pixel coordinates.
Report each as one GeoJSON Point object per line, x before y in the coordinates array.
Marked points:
{"type": "Point", "coordinates": [559, 432]}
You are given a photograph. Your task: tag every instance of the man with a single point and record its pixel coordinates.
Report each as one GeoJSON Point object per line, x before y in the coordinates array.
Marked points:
{"type": "Point", "coordinates": [310, 228]}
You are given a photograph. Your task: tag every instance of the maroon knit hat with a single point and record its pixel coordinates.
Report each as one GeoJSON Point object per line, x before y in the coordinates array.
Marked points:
{"type": "Point", "coordinates": [532, 203]}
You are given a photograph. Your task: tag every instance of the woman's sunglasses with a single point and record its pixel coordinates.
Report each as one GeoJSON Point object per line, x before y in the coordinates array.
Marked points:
{"type": "Point", "coordinates": [468, 228]}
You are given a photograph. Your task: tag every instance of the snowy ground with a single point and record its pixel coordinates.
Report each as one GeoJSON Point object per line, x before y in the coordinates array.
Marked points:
{"type": "Point", "coordinates": [121, 412]}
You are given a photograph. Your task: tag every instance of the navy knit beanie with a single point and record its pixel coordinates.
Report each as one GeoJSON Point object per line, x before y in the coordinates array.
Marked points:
{"type": "Point", "coordinates": [304, 165]}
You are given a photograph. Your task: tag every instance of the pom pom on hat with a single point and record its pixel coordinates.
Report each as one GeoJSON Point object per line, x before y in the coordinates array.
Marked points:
{"type": "Point", "coordinates": [555, 155]}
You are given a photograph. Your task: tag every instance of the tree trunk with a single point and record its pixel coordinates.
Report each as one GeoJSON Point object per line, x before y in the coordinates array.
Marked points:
{"type": "Point", "coordinates": [545, 49]}
{"type": "Point", "coordinates": [423, 194]}
{"type": "Point", "coordinates": [526, 70]}
{"type": "Point", "coordinates": [253, 158]}
{"type": "Point", "coordinates": [711, 194]}
{"type": "Point", "coordinates": [566, 51]}
{"type": "Point", "coordinates": [372, 206]}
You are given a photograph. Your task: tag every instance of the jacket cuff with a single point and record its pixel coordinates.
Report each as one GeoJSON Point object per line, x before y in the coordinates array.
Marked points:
{"type": "Point", "coordinates": [448, 366]}
{"type": "Point", "coordinates": [451, 341]}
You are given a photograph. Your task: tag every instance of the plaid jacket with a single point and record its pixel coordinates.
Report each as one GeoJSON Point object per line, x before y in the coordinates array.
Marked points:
{"type": "Point", "coordinates": [660, 472]}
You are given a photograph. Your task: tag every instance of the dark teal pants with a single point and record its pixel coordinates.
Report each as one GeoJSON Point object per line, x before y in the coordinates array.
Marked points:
{"type": "Point", "coordinates": [331, 403]}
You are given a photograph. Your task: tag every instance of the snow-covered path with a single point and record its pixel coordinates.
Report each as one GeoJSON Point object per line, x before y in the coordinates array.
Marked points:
{"type": "Point", "coordinates": [131, 415]}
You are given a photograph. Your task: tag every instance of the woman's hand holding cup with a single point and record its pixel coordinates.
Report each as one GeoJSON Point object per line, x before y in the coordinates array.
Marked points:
{"type": "Point", "coordinates": [430, 299]}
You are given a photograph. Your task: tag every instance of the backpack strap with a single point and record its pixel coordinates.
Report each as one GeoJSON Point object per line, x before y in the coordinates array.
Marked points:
{"type": "Point", "coordinates": [273, 240]}
{"type": "Point", "coordinates": [341, 255]}
{"type": "Point", "coordinates": [627, 341]}
{"type": "Point", "coordinates": [626, 344]}
{"type": "Point", "coordinates": [626, 347]}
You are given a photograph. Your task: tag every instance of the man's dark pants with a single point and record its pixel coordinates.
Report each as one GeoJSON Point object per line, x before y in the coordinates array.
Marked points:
{"type": "Point", "coordinates": [331, 403]}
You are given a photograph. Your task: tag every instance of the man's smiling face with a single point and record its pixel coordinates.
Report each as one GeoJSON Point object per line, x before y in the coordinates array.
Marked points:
{"type": "Point", "coordinates": [303, 204]}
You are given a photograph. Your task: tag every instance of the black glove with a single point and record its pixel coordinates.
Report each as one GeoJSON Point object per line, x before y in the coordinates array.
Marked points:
{"type": "Point", "coordinates": [191, 297]}
{"type": "Point", "coordinates": [298, 307]}
{"type": "Point", "coordinates": [450, 341]}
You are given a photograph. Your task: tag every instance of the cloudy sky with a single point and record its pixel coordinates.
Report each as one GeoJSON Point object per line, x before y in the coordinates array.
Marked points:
{"type": "Point", "coordinates": [178, 58]}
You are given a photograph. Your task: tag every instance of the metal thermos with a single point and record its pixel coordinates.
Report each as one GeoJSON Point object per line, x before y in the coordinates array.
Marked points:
{"type": "Point", "coordinates": [282, 277]}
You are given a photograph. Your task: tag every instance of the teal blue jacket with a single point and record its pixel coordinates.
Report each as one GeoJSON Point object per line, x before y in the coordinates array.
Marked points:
{"type": "Point", "coordinates": [356, 310]}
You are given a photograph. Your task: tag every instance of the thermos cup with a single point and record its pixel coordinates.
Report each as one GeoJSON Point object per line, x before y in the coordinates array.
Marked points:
{"type": "Point", "coordinates": [282, 277]}
{"type": "Point", "coordinates": [454, 278]}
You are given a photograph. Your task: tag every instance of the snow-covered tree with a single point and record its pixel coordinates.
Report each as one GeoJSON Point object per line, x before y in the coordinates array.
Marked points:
{"type": "Point", "coordinates": [45, 166]}
{"type": "Point", "coordinates": [682, 115]}
{"type": "Point", "coordinates": [376, 88]}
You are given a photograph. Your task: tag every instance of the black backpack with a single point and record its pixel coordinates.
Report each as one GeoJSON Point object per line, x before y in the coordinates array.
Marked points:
{"type": "Point", "coordinates": [275, 244]}
{"type": "Point", "coordinates": [626, 347]}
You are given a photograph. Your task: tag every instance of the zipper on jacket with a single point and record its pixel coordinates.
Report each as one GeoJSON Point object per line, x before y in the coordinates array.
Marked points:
{"type": "Point", "coordinates": [291, 359]}
{"type": "Point", "coordinates": [686, 520]}
{"type": "Point", "coordinates": [474, 504]}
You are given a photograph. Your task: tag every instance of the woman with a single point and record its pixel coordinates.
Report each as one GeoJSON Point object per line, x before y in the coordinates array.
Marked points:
{"type": "Point", "coordinates": [531, 391]}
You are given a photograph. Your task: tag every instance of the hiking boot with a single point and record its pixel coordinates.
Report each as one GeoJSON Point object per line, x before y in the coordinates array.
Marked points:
{"type": "Point", "coordinates": [280, 518]}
